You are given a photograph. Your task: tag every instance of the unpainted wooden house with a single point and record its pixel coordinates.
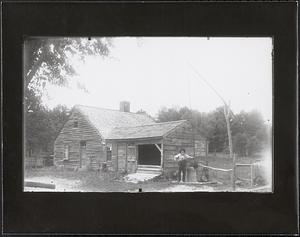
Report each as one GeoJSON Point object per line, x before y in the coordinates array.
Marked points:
{"type": "Point", "coordinates": [152, 147]}
{"type": "Point", "coordinates": [82, 141]}
{"type": "Point", "coordinates": [123, 141]}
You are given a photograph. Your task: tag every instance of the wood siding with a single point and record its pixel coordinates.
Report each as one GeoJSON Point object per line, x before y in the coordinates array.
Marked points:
{"type": "Point", "coordinates": [114, 156]}
{"type": "Point", "coordinates": [70, 135]}
{"type": "Point", "coordinates": [131, 158]}
{"type": "Point", "coordinates": [122, 157]}
{"type": "Point", "coordinates": [125, 159]}
{"type": "Point", "coordinates": [181, 137]}
{"type": "Point", "coordinates": [125, 154]}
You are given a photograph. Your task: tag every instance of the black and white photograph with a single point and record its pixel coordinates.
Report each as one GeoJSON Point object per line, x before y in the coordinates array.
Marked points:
{"type": "Point", "coordinates": [149, 118]}
{"type": "Point", "coordinates": [148, 114]}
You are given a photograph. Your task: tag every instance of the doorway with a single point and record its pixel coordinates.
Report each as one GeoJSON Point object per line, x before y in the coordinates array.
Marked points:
{"type": "Point", "coordinates": [82, 153]}
{"type": "Point", "coordinates": [149, 154]}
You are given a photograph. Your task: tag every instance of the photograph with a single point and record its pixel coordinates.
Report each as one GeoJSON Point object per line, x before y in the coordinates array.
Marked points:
{"type": "Point", "coordinates": [148, 114]}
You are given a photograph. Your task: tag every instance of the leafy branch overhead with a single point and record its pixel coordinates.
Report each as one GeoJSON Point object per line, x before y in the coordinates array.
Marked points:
{"type": "Point", "coordinates": [49, 60]}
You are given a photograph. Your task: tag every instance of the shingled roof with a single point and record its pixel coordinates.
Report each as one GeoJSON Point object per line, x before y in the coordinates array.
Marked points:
{"type": "Point", "coordinates": [144, 131]}
{"type": "Point", "coordinates": [104, 120]}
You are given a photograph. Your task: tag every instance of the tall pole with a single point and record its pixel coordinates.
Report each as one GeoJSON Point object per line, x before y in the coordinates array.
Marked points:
{"type": "Point", "coordinates": [192, 122]}
{"type": "Point", "coordinates": [227, 111]}
{"type": "Point", "coordinates": [232, 156]}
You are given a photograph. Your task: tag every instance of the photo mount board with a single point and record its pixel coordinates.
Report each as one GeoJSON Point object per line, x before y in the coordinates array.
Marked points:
{"type": "Point", "coordinates": [152, 213]}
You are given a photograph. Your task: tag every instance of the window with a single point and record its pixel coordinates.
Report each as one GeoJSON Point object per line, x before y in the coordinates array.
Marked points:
{"type": "Point", "coordinates": [75, 124]}
{"type": "Point", "coordinates": [29, 153]}
{"type": "Point", "coordinates": [66, 152]}
{"type": "Point", "coordinates": [83, 144]}
{"type": "Point", "coordinates": [108, 152]}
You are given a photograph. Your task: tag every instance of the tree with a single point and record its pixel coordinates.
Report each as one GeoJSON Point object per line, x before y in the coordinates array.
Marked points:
{"type": "Point", "coordinates": [254, 131]}
{"type": "Point", "coordinates": [141, 111]}
{"type": "Point", "coordinates": [249, 132]}
{"type": "Point", "coordinates": [218, 139]}
{"type": "Point", "coordinates": [200, 121]}
{"type": "Point", "coordinates": [240, 144]}
{"type": "Point", "coordinates": [43, 126]}
{"type": "Point", "coordinates": [168, 114]}
{"type": "Point", "coordinates": [48, 60]}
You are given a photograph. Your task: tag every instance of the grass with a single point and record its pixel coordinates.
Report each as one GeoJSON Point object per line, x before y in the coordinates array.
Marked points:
{"type": "Point", "coordinates": [221, 160]}
{"type": "Point", "coordinates": [95, 181]}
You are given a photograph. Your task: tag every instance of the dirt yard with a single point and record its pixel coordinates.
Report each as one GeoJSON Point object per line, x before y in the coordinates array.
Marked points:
{"type": "Point", "coordinates": [93, 181]}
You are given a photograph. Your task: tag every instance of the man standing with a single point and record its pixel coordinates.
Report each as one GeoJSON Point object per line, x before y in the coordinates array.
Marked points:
{"type": "Point", "coordinates": [182, 163]}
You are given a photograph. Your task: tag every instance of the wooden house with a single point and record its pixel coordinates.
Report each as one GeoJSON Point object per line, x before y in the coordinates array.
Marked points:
{"type": "Point", "coordinates": [82, 141]}
{"type": "Point", "coordinates": [151, 147]}
{"type": "Point", "coordinates": [123, 141]}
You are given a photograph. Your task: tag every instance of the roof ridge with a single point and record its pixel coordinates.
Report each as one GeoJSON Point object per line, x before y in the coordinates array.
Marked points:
{"type": "Point", "coordinates": [153, 124]}
{"type": "Point", "coordinates": [100, 108]}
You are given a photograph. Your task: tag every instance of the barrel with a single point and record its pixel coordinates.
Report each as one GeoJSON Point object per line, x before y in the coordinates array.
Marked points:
{"type": "Point", "coordinates": [191, 175]}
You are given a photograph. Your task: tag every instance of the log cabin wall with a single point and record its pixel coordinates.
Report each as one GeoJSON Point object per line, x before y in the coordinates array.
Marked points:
{"type": "Point", "coordinates": [125, 154]}
{"type": "Point", "coordinates": [114, 156]}
{"type": "Point", "coordinates": [132, 153]}
{"type": "Point", "coordinates": [121, 150]}
{"type": "Point", "coordinates": [181, 137]}
{"type": "Point", "coordinates": [121, 155]}
{"type": "Point", "coordinates": [95, 151]}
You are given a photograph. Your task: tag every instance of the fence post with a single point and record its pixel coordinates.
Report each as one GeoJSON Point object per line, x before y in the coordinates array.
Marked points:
{"type": "Point", "coordinates": [233, 172]}
{"type": "Point", "coordinates": [251, 175]}
{"type": "Point", "coordinates": [206, 161]}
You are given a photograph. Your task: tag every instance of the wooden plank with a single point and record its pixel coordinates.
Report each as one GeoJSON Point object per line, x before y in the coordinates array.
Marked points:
{"type": "Point", "coordinates": [240, 164]}
{"type": "Point", "coordinates": [157, 146]}
{"type": "Point", "coordinates": [233, 172]}
{"type": "Point", "coordinates": [214, 168]}
{"type": "Point", "coordinates": [162, 155]}
{"type": "Point", "coordinates": [136, 141]}
{"type": "Point", "coordinates": [39, 185]}
{"type": "Point", "coordinates": [251, 175]}
{"type": "Point", "coordinates": [199, 183]}
{"type": "Point", "coordinates": [126, 158]}
{"type": "Point", "coordinates": [117, 158]}
{"type": "Point", "coordinates": [136, 156]}
{"type": "Point", "coordinates": [72, 136]}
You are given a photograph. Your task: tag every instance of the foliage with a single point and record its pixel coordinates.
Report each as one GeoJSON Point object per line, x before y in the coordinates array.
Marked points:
{"type": "Point", "coordinates": [240, 143]}
{"type": "Point", "coordinates": [43, 126]}
{"type": "Point", "coordinates": [142, 112]}
{"type": "Point", "coordinates": [49, 61]}
{"type": "Point", "coordinates": [172, 114]}
{"type": "Point", "coordinates": [249, 132]}
{"type": "Point", "coordinates": [168, 114]}
{"type": "Point", "coordinates": [218, 136]}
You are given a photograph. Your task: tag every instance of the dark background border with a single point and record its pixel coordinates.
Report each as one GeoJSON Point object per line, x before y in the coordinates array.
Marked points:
{"type": "Point", "coordinates": [151, 212]}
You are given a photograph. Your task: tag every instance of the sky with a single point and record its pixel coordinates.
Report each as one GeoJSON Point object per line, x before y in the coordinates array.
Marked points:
{"type": "Point", "coordinates": [156, 72]}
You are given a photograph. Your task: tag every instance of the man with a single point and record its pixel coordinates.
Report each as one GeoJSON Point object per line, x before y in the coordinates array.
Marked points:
{"type": "Point", "coordinates": [182, 163]}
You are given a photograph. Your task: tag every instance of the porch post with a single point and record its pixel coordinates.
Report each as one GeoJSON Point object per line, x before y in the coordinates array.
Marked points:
{"type": "Point", "coordinates": [126, 161]}
{"type": "Point", "coordinates": [162, 155]}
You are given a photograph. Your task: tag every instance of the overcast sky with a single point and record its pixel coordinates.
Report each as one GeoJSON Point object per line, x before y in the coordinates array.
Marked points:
{"type": "Point", "coordinates": [154, 72]}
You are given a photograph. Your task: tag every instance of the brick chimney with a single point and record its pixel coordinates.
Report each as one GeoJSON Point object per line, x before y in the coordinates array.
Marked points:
{"type": "Point", "coordinates": [124, 106]}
